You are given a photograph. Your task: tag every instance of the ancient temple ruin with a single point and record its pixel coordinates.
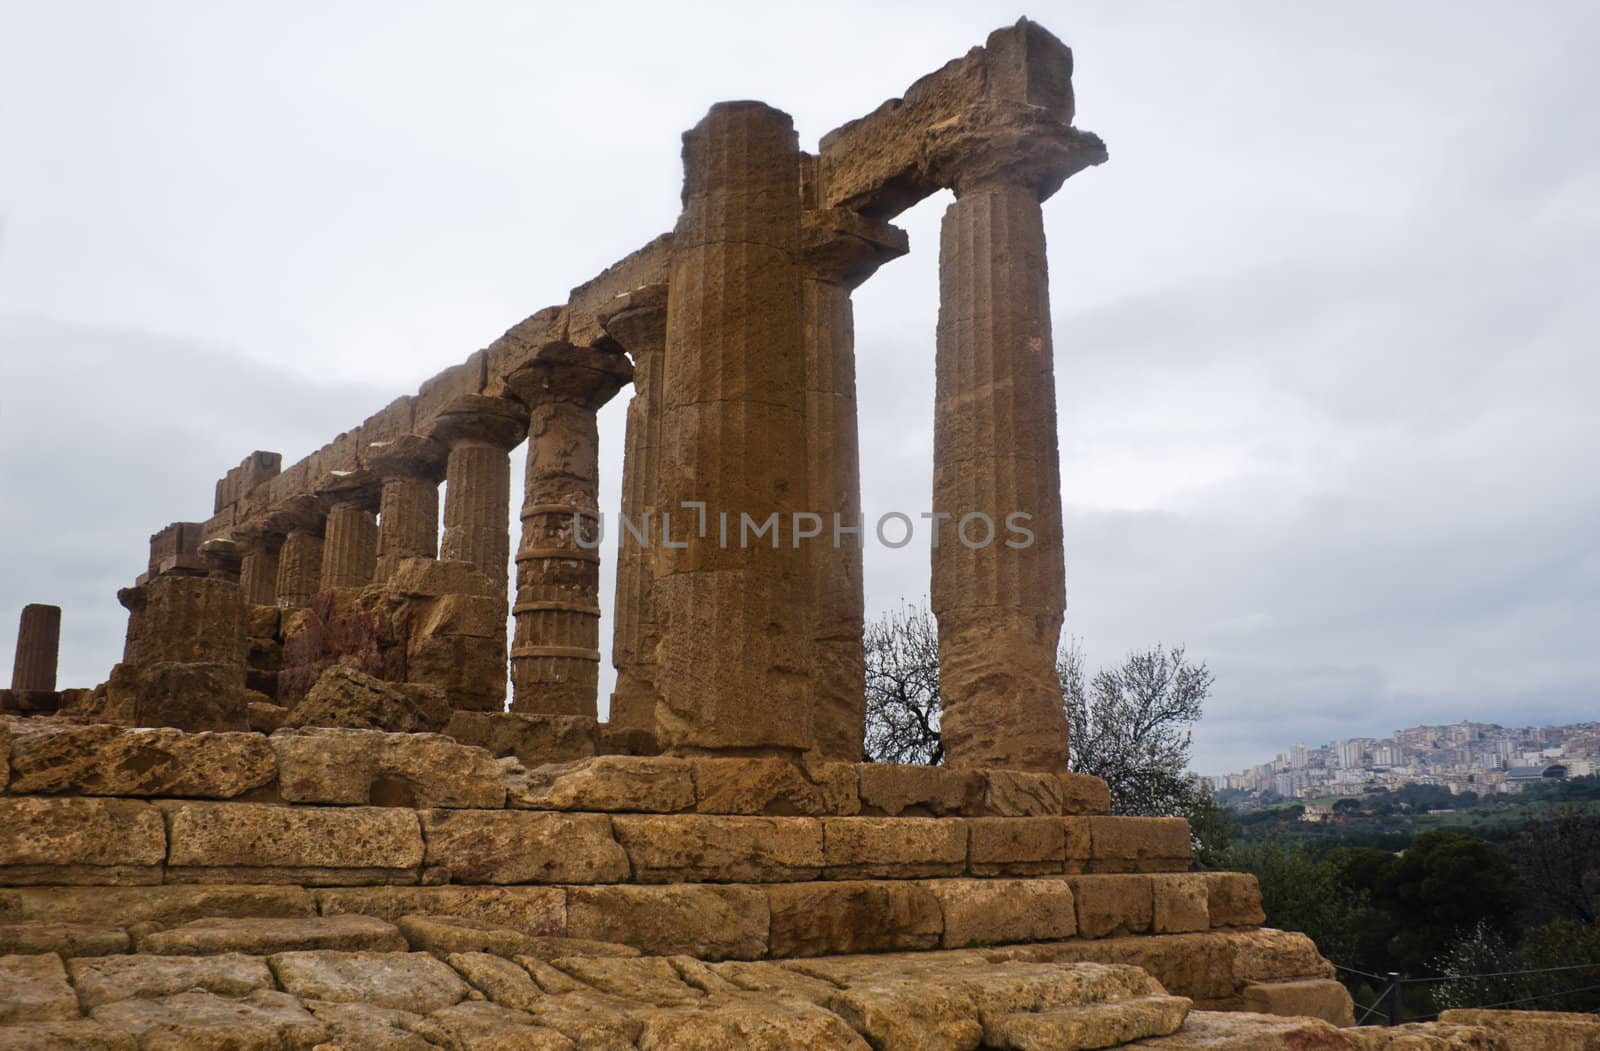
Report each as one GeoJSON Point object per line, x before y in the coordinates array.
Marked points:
{"type": "Point", "coordinates": [303, 812]}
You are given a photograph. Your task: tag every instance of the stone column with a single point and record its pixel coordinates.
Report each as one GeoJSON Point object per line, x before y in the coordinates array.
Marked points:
{"type": "Point", "coordinates": [734, 661]}
{"type": "Point", "coordinates": [258, 568]}
{"type": "Point", "coordinates": [480, 433]}
{"type": "Point", "coordinates": [638, 322]}
{"type": "Point", "coordinates": [841, 249]}
{"type": "Point", "coordinates": [998, 587]}
{"type": "Point", "coordinates": [38, 646]}
{"type": "Point", "coordinates": [411, 468]}
{"type": "Point", "coordinates": [300, 558]}
{"type": "Point", "coordinates": [350, 543]}
{"type": "Point", "coordinates": [555, 656]}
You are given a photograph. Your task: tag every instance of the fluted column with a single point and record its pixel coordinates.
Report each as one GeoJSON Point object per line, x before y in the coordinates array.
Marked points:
{"type": "Point", "coordinates": [480, 433]}
{"type": "Point", "coordinates": [38, 647]}
{"type": "Point", "coordinates": [555, 655]}
{"type": "Point", "coordinates": [258, 568]}
{"type": "Point", "coordinates": [841, 250]}
{"type": "Point", "coordinates": [998, 587]}
{"type": "Point", "coordinates": [638, 322]}
{"type": "Point", "coordinates": [735, 656]}
{"type": "Point", "coordinates": [410, 467]}
{"type": "Point", "coordinates": [300, 559]}
{"type": "Point", "coordinates": [350, 544]}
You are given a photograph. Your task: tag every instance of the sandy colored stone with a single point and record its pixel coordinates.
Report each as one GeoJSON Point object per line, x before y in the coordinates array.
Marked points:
{"type": "Point", "coordinates": [79, 1035]}
{"type": "Point", "coordinates": [520, 846]}
{"type": "Point", "coordinates": [707, 922]}
{"type": "Point", "coordinates": [571, 948]}
{"type": "Point", "coordinates": [1234, 900]}
{"type": "Point", "coordinates": [34, 989]}
{"type": "Point", "coordinates": [1321, 998]}
{"type": "Point", "coordinates": [904, 847]}
{"type": "Point", "coordinates": [369, 1028]}
{"type": "Point", "coordinates": [1243, 1031]}
{"type": "Point", "coordinates": [110, 761]}
{"type": "Point", "coordinates": [1421, 1036]}
{"type": "Point", "coordinates": [1199, 966]}
{"type": "Point", "coordinates": [1089, 1025]}
{"type": "Point", "coordinates": [488, 1027]}
{"type": "Point", "coordinates": [404, 981]}
{"type": "Point", "coordinates": [264, 936]}
{"type": "Point", "coordinates": [760, 1025]}
{"type": "Point", "coordinates": [1017, 846]}
{"type": "Point", "coordinates": [1083, 794]}
{"type": "Point", "coordinates": [100, 833]}
{"type": "Point", "coordinates": [763, 786]}
{"type": "Point", "coordinates": [1267, 955]}
{"type": "Point", "coordinates": [932, 791]}
{"type": "Point", "coordinates": [1112, 904]}
{"type": "Point", "coordinates": [587, 1017]}
{"type": "Point", "coordinates": [502, 981]}
{"type": "Point", "coordinates": [1139, 844]}
{"type": "Point", "coordinates": [345, 697]}
{"type": "Point", "coordinates": [202, 1021]}
{"type": "Point", "coordinates": [532, 739]}
{"type": "Point", "coordinates": [712, 848]}
{"type": "Point", "coordinates": [111, 978]}
{"type": "Point", "coordinates": [1180, 903]}
{"type": "Point", "coordinates": [444, 935]}
{"type": "Point", "coordinates": [5, 752]}
{"type": "Point", "coordinates": [1079, 843]}
{"type": "Point", "coordinates": [640, 784]}
{"type": "Point", "coordinates": [1551, 1030]}
{"type": "Point", "coordinates": [248, 835]}
{"type": "Point", "coordinates": [358, 767]}
{"type": "Point", "coordinates": [264, 716]}
{"type": "Point", "coordinates": [1019, 793]}
{"type": "Point", "coordinates": [818, 919]}
{"type": "Point", "coordinates": [63, 939]}
{"type": "Point", "coordinates": [538, 911]}
{"type": "Point", "coordinates": [164, 906]}
{"type": "Point", "coordinates": [998, 911]}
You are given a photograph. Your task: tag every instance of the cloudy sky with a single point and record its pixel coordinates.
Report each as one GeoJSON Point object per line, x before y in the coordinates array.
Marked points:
{"type": "Point", "coordinates": [1325, 324]}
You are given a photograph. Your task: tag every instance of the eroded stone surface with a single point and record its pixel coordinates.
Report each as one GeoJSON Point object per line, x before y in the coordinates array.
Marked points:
{"type": "Point", "coordinates": [266, 936]}
{"type": "Point", "coordinates": [111, 761]}
{"type": "Point", "coordinates": [41, 837]}
{"type": "Point", "coordinates": [400, 980]}
{"type": "Point", "coordinates": [639, 784]}
{"type": "Point", "coordinates": [111, 978]}
{"type": "Point", "coordinates": [357, 767]}
{"type": "Point", "coordinates": [311, 842]}
{"type": "Point", "coordinates": [65, 939]}
{"type": "Point", "coordinates": [35, 989]}
{"type": "Point", "coordinates": [707, 922]}
{"type": "Point", "coordinates": [519, 846]}
{"type": "Point", "coordinates": [530, 910]}
{"type": "Point", "coordinates": [345, 697]}
{"type": "Point", "coordinates": [701, 848]}
{"type": "Point", "coordinates": [207, 1022]}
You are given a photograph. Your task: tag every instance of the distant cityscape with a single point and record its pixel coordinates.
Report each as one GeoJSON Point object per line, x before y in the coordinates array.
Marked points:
{"type": "Point", "coordinates": [1483, 758]}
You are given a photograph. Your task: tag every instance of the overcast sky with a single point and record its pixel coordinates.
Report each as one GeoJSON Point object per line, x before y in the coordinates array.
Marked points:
{"type": "Point", "coordinates": [1325, 324]}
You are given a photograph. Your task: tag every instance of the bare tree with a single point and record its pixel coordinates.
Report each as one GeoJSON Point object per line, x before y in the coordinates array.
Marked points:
{"type": "Point", "coordinates": [903, 688]}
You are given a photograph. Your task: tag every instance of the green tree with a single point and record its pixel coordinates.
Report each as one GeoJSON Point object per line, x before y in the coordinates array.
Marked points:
{"type": "Point", "coordinates": [1443, 886]}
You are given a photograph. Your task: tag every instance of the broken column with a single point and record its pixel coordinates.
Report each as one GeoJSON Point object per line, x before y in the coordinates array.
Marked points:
{"type": "Point", "coordinates": [998, 587]}
{"type": "Point", "coordinates": [300, 557]}
{"type": "Point", "coordinates": [184, 663]}
{"type": "Point", "coordinates": [480, 433]}
{"type": "Point", "coordinates": [38, 646]}
{"type": "Point", "coordinates": [637, 320]}
{"type": "Point", "coordinates": [555, 655]}
{"type": "Point", "coordinates": [411, 468]}
{"type": "Point", "coordinates": [840, 250]}
{"type": "Point", "coordinates": [735, 658]}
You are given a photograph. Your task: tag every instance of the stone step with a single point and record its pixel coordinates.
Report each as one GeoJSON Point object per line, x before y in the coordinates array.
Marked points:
{"type": "Point", "coordinates": [262, 936]}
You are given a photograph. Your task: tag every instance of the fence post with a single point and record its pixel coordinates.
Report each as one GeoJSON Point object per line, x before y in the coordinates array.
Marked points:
{"type": "Point", "coordinates": [1397, 1007]}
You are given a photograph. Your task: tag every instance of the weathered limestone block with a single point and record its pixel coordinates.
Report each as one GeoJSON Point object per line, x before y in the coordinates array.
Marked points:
{"type": "Point", "coordinates": [1089, 1025]}
{"type": "Point", "coordinates": [1267, 955]}
{"type": "Point", "coordinates": [38, 645]}
{"type": "Point", "coordinates": [1018, 793]}
{"type": "Point", "coordinates": [111, 978]}
{"type": "Point", "coordinates": [1200, 966]}
{"type": "Point", "coordinates": [1230, 1030]}
{"type": "Point", "coordinates": [1180, 903]}
{"type": "Point", "coordinates": [534, 740]}
{"type": "Point", "coordinates": [774, 786]}
{"type": "Point", "coordinates": [1234, 900]}
{"type": "Point", "coordinates": [189, 620]}
{"type": "Point", "coordinates": [903, 848]}
{"type": "Point", "coordinates": [63, 939]}
{"type": "Point", "coordinates": [822, 919]}
{"type": "Point", "coordinates": [78, 1035]}
{"type": "Point", "coordinates": [540, 911]}
{"type": "Point", "coordinates": [707, 848]}
{"type": "Point", "coordinates": [110, 761]}
{"type": "Point", "coordinates": [488, 1025]}
{"type": "Point", "coordinates": [443, 935]}
{"type": "Point", "coordinates": [1542, 1029]}
{"type": "Point", "coordinates": [501, 980]}
{"type": "Point", "coordinates": [998, 911]}
{"type": "Point", "coordinates": [520, 846]}
{"type": "Point", "coordinates": [189, 696]}
{"type": "Point", "coordinates": [344, 697]}
{"type": "Point", "coordinates": [72, 840]}
{"type": "Point", "coordinates": [223, 842]}
{"type": "Point", "coordinates": [923, 791]}
{"type": "Point", "coordinates": [400, 980]}
{"type": "Point", "coordinates": [1121, 904]}
{"type": "Point", "coordinates": [261, 936]}
{"type": "Point", "coordinates": [1080, 843]}
{"type": "Point", "coordinates": [1139, 844]}
{"type": "Point", "coordinates": [1321, 998]}
{"type": "Point", "coordinates": [5, 753]}
{"type": "Point", "coordinates": [367, 1027]}
{"type": "Point", "coordinates": [164, 906]}
{"type": "Point", "coordinates": [358, 767]}
{"type": "Point", "coordinates": [1016, 846]}
{"type": "Point", "coordinates": [706, 922]}
{"type": "Point", "coordinates": [1083, 794]}
{"type": "Point", "coordinates": [35, 989]}
{"type": "Point", "coordinates": [642, 784]}
{"type": "Point", "coordinates": [644, 980]}
{"type": "Point", "coordinates": [206, 1022]}
{"type": "Point", "coordinates": [751, 1024]}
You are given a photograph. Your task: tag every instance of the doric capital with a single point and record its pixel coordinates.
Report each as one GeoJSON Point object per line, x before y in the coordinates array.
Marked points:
{"type": "Point", "coordinates": [298, 514]}
{"type": "Point", "coordinates": [637, 320]}
{"type": "Point", "coordinates": [406, 456]}
{"type": "Point", "coordinates": [477, 418]}
{"type": "Point", "coordinates": [1009, 144]}
{"type": "Point", "coordinates": [222, 557]}
{"type": "Point", "coordinates": [586, 376]}
{"type": "Point", "coordinates": [359, 486]}
{"type": "Point", "coordinates": [844, 247]}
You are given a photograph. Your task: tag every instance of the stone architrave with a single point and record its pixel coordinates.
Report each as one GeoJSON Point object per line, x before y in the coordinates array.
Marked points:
{"type": "Point", "coordinates": [840, 250]}
{"type": "Point", "coordinates": [480, 433]}
{"type": "Point", "coordinates": [410, 467]}
{"type": "Point", "coordinates": [38, 647]}
{"type": "Point", "coordinates": [637, 320]}
{"type": "Point", "coordinates": [555, 655]}
{"type": "Point", "coordinates": [998, 586]}
{"type": "Point", "coordinates": [734, 661]}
